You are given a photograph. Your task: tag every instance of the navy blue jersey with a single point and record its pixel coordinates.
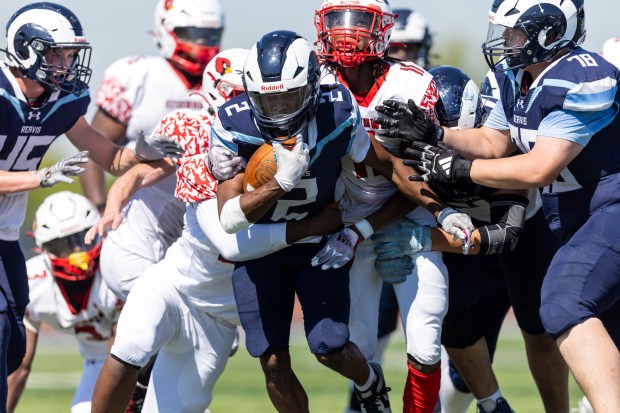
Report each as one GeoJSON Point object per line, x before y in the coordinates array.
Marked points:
{"type": "Point", "coordinates": [577, 99]}
{"type": "Point", "coordinates": [25, 135]}
{"type": "Point", "coordinates": [335, 132]}
{"type": "Point", "coordinates": [25, 132]}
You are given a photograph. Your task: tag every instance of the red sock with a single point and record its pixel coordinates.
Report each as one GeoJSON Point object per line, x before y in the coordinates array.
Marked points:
{"type": "Point", "coordinates": [421, 391]}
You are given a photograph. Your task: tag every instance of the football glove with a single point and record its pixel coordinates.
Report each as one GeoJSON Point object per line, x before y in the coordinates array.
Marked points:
{"type": "Point", "coordinates": [63, 169]}
{"type": "Point", "coordinates": [292, 164]}
{"type": "Point", "coordinates": [458, 225]}
{"type": "Point", "coordinates": [394, 270]}
{"type": "Point", "coordinates": [437, 163]}
{"type": "Point", "coordinates": [406, 121]}
{"type": "Point", "coordinates": [153, 148]}
{"type": "Point", "coordinates": [403, 238]}
{"type": "Point", "coordinates": [338, 250]}
{"type": "Point", "coordinates": [222, 164]}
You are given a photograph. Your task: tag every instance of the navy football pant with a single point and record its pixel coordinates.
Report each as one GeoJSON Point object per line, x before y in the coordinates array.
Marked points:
{"type": "Point", "coordinates": [265, 291]}
{"type": "Point", "coordinates": [13, 302]}
{"type": "Point", "coordinates": [583, 280]}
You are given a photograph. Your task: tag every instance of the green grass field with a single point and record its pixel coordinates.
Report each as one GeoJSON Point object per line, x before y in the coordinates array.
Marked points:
{"type": "Point", "coordinates": [241, 387]}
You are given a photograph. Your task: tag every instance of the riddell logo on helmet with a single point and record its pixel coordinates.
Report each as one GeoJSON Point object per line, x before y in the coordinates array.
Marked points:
{"type": "Point", "coordinates": [272, 88]}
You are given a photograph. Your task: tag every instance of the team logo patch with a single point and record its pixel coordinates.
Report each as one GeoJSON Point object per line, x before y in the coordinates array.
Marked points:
{"type": "Point", "coordinates": [223, 66]}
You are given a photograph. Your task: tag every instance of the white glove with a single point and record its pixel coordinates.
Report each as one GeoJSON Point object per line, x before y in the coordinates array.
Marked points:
{"type": "Point", "coordinates": [457, 224]}
{"type": "Point", "coordinates": [223, 164]}
{"type": "Point", "coordinates": [62, 170]}
{"type": "Point", "coordinates": [338, 250]}
{"type": "Point", "coordinates": [292, 165]}
{"type": "Point", "coordinates": [153, 148]}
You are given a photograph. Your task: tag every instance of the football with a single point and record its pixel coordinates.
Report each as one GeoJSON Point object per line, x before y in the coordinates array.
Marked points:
{"type": "Point", "coordinates": [260, 169]}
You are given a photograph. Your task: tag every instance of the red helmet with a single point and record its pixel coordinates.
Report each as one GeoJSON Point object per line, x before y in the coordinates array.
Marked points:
{"type": "Point", "coordinates": [352, 32]}
{"type": "Point", "coordinates": [189, 32]}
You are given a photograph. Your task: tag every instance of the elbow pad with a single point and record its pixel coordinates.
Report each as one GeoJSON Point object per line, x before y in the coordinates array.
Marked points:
{"type": "Point", "coordinates": [508, 211]}
{"type": "Point", "coordinates": [232, 217]}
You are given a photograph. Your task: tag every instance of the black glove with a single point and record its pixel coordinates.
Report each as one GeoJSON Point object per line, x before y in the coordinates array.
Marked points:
{"type": "Point", "coordinates": [437, 163]}
{"type": "Point", "coordinates": [407, 122]}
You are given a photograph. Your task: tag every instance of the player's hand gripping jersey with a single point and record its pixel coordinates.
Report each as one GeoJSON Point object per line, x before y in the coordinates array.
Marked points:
{"type": "Point", "coordinates": [581, 105]}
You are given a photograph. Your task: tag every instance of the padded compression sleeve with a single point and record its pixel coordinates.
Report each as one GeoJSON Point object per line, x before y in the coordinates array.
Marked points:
{"type": "Point", "coordinates": [508, 214]}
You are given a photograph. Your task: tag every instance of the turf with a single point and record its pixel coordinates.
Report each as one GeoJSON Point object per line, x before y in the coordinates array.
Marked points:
{"type": "Point", "coordinates": [241, 388]}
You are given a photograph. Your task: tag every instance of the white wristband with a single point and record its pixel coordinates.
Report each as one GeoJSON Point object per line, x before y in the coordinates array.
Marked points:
{"type": "Point", "coordinates": [364, 228]}
{"type": "Point", "coordinates": [232, 217]}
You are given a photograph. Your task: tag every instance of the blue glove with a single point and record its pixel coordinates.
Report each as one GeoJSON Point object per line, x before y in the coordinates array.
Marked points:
{"type": "Point", "coordinates": [403, 238]}
{"type": "Point", "coordinates": [394, 270]}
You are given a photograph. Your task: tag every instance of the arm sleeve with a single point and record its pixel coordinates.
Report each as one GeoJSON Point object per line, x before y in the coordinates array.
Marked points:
{"type": "Point", "coordinates": [508, 215]}
{"type": "Point", "coordinates": [253, 242]}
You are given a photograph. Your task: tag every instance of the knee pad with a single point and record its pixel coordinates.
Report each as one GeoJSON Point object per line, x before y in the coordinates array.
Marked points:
{"type": "Point", "coordinates": [460, 328]}
{"type": "Point", "coordinates": [328, 337]}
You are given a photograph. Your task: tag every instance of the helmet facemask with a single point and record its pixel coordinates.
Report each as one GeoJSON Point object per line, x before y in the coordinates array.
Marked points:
{"type": "Point", "coordinates": [195, 47]}
{"type": "Point", "coordinates": [351, 35]}
{"type": "Point", "coordinates": [73, 260]}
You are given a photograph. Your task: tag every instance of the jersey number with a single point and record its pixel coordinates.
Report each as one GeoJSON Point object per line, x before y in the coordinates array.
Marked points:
{"type": "Point", "coordinates": [283, 205]}
{"type": "Point", "coordinates": [18, 157]}
{"type": "Point", "coordinates": [584, 59]}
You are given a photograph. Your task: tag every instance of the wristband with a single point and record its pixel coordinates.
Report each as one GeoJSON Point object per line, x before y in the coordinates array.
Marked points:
{"type": "Point", "coordinates": [364, 228]}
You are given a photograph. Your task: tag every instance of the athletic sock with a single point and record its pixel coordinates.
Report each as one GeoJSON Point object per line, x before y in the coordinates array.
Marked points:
{"type": "Point", "coordinates": [371, 378]}
{"type": "Point", "coordinates": [421, 391]}
{"type": "Point", "coordinates": [489, 403]}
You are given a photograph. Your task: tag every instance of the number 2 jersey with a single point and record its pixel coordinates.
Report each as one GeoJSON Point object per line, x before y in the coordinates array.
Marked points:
{"type": "Point", "coordinates": [576, 99]}
{"type": "Point", "coordinates": [25, 136]}
{"type": "Point", "coordinates": [335, 132]}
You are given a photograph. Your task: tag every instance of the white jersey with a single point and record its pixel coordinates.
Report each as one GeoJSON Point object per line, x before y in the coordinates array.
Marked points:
{"type": "Point", "coordinates": [365, 189]}
{"type": "Point", "coordinates": [138, 91]}
{"type": "Point", "coordinates": [153, 219]}
{"type": "Point", "coordinates": [91, 325]}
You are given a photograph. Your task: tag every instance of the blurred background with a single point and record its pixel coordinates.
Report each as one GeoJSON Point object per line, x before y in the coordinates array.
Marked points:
{"type": "Point", "coordinates": [118, 28]}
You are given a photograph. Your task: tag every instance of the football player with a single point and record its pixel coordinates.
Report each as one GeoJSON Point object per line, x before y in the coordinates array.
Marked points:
{"type": "Point", "coordinates": [558, 107]}
{"type": "Point", "coordinates": [136, 92]}
{"type": "Point", "coordinates": [196, 270]}
{"type": "Point", "coordinates": [67, 292]}
{"type": "Point", "coordinates": [411, 38]}
{"type": "Point", "coordinates": [355, 57]}
{"type": "Point", "coordinates": [475, 313]}
{"type": "Point", "coordinates": [44, 93]}
{"type": "Point", "coordinates": [285, 105]}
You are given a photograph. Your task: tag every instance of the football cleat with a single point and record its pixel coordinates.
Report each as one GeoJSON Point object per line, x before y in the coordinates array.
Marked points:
{"type": "Point", "coordinates": [502, 406]}
{"type": "Point", "coordinates": [375, 399]}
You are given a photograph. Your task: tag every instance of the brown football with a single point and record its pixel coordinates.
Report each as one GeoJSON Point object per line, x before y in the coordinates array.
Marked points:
{"type": "Point", "coordinates": [260, 168]}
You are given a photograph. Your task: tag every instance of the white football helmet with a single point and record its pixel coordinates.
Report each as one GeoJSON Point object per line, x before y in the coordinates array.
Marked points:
{"type": "Point", "coordinates": [45, 41]}
{"type": "Point", "coordinates": [459, 106]}
{"type": "Point", "coordinates": [611, 51]}
{"type": "Point", "coordinates": [352, 32]}
{"type": "Point", "coordinates": [221, 80]}
{"type": "Point", "coordinates": [59, 227]}
{"type": "Point", "coordinates": [281, 76]}
{"type": "Point", "coordinates": [411, 30]}
{"type": "Point", "coordinates": [189, 32]}
{"type": "Point", "coordinates": [531, 31]}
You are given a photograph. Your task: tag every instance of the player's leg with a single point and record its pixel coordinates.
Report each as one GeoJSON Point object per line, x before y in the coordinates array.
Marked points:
{"type": "Point", "coordinates": [265, 296]}
{"type": "Point", "coordinates": [13, 302]}
{"type": "Point", "coordinates": [582, 283]}
{"type": "Point", "coordinates": [525, 269]}
{"type": "Point", "coordinates": [423, 303]}
{"type": "Point", "coordinates": [121, 268]}
{"type": "Point", "coordinates": [81, 402]}
{"type": "Point", "coordinates": [365, 293]}
{"type": "Point", "coordinates": [149, 320]}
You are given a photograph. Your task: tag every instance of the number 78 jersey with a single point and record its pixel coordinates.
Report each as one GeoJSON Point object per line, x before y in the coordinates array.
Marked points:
{"type": "Point", "coordinates": [334, 132]}
{"type": "Point", "coordinates": [576, 99]}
